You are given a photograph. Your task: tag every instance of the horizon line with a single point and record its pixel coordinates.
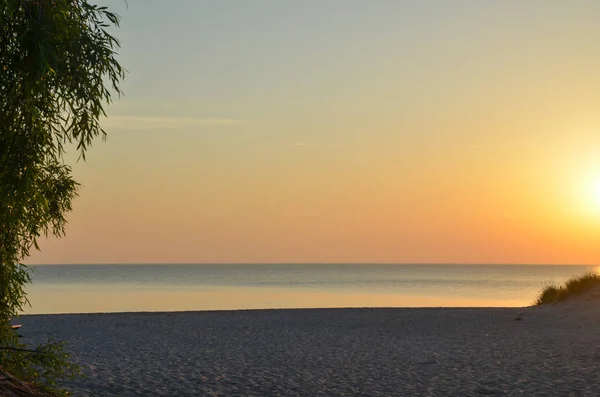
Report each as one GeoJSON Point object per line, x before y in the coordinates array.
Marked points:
{"type": "Point", "coordinates": [310, 263]}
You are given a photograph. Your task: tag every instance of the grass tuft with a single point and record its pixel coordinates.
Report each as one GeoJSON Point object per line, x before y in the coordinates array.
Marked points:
{"type": "Point", "coordinates": [575, 286]}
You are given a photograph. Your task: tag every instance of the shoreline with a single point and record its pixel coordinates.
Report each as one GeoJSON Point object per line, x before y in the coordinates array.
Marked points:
{"type": "Point", "coordinates": [135, 288]}
{"type": "Point", "coordinates": [297, 309]}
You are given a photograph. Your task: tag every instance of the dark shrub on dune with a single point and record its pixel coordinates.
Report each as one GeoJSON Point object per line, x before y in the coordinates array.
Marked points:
{"type": "Point", "coordinates": [574, 287]}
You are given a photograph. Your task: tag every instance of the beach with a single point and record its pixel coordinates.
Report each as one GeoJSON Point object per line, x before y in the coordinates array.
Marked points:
{"type": "Point", "coordinates": [548, 351]}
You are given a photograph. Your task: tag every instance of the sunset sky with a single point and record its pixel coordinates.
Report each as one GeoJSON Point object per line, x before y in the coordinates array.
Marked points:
{"type": "Point", "coordinates": [346, 131]}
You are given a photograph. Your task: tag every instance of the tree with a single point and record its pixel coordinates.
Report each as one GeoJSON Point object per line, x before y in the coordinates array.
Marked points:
{"type": "Point", "coordinates": [58, 68]}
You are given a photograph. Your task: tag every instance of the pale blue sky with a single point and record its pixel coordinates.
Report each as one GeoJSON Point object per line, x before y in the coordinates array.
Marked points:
{"type": "Point", "coordinates": [346, 130]}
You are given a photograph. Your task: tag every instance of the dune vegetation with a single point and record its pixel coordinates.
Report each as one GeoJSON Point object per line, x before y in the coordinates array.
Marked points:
{"type": "Point", "coordinates": [576, 286]}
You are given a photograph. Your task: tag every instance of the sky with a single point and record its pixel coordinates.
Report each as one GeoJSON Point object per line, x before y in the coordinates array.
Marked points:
{"type": "Point", "coordinates": [346, 131]}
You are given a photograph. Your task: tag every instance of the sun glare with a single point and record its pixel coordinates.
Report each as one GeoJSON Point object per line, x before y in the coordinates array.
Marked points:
{"type": "Point", "coordinates": [596, 194]}
{"type": "Point", "coordinates": [589, 195]}
{"type": "Point", "coordinates": [582, 193]}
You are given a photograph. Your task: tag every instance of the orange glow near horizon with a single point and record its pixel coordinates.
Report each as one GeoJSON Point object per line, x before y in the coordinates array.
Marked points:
{"type": "Point", "coordinates": [417, 135]}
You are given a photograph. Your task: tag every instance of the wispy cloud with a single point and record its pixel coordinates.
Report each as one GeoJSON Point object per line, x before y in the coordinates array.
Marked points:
{"type": "Point", "coordinates": [152, 123]}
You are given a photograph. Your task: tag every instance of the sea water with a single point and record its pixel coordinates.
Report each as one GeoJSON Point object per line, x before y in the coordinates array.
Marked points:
{"type": "Point", "coordinates": [175, 287]}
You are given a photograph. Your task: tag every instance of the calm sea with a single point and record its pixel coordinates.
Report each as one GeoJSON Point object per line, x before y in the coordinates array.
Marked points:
{"type": "Point", "coordinates": [117, 288]}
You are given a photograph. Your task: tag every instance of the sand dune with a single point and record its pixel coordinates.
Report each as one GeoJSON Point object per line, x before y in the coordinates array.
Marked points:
{"type": "Point", "coordinates": [333, 352]}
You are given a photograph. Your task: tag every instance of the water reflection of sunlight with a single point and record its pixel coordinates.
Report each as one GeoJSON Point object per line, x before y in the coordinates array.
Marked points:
{"type": "Point", "coordinates": [103, 298]}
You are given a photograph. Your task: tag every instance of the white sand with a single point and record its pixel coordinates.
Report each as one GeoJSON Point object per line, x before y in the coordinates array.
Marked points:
{"type": "Point", "coordinates": [333, 352]}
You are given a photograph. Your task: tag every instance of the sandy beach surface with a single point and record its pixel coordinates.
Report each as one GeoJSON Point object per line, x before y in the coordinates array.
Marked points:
{"type": "Point", "coordinates": [553, 351]}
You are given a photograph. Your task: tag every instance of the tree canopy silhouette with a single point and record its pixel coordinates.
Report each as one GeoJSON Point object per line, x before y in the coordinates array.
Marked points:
{"type": "Point", "coordinates": [58, 69]}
